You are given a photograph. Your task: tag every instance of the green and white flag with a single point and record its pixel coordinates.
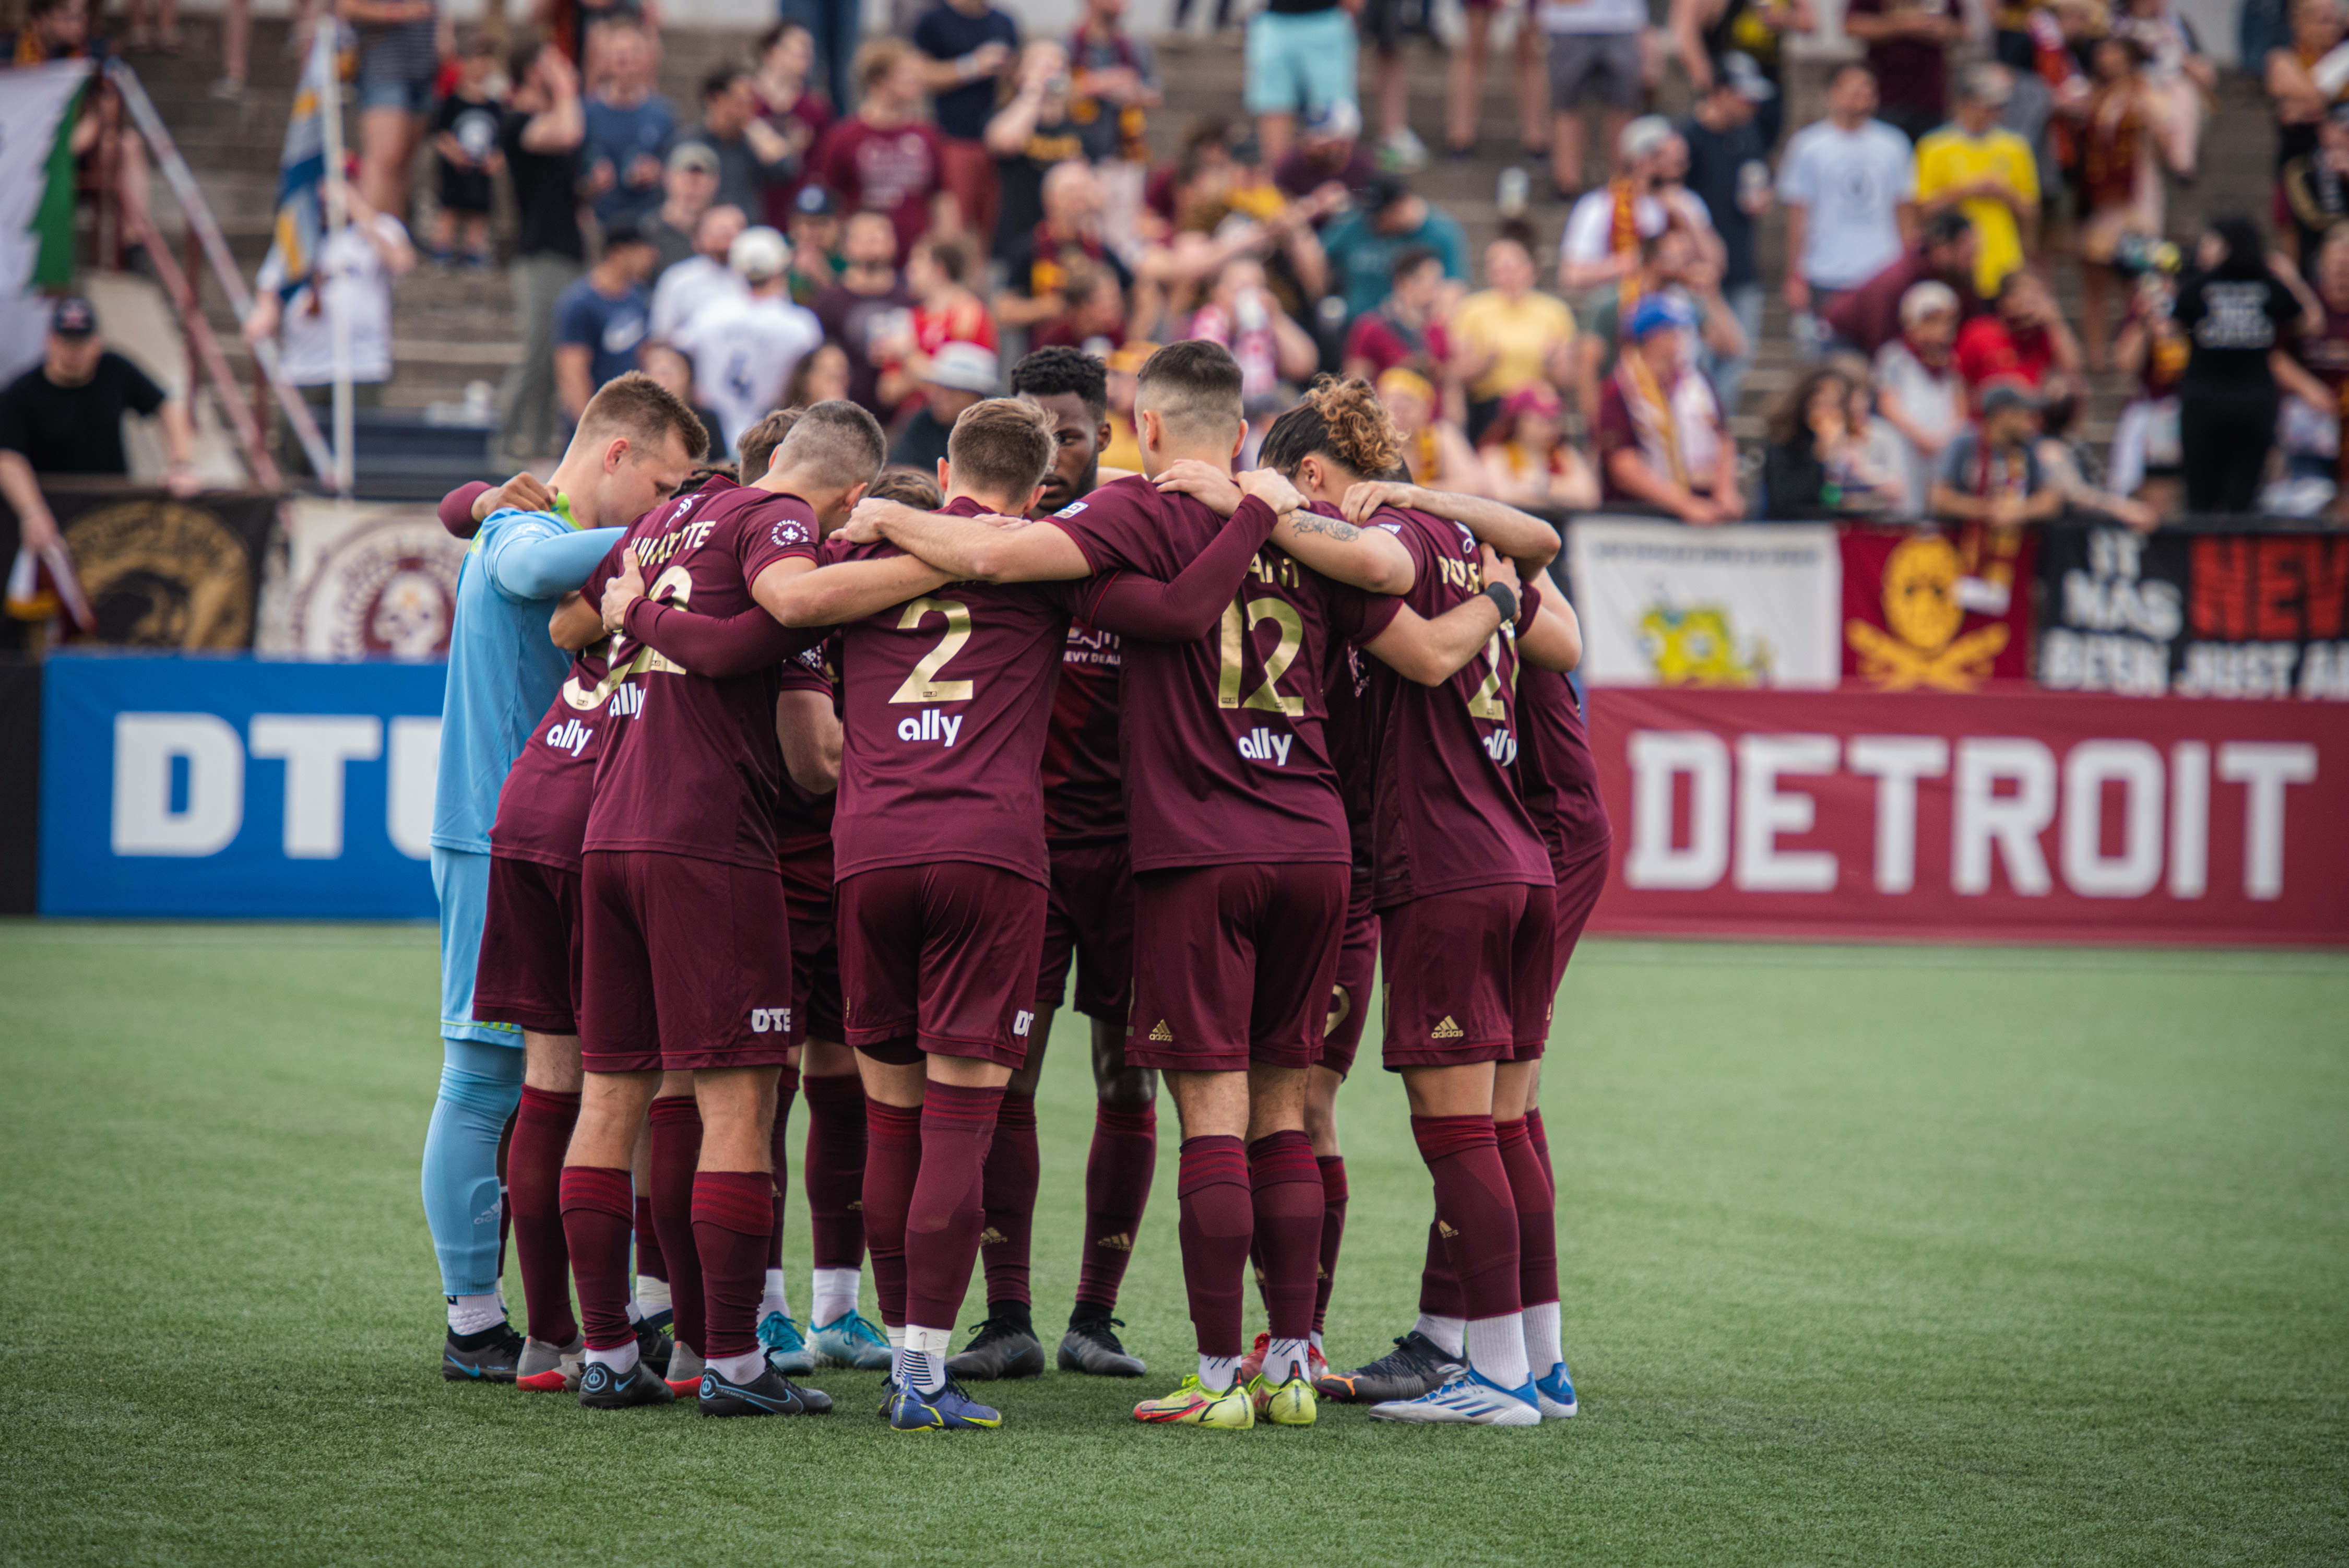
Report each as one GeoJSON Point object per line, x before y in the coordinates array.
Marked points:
{"type": "Point", "coordinates": [36, 196]}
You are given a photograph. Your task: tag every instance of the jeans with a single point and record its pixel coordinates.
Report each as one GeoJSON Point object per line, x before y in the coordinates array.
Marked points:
{"type": "Point", "coordinates": [1728, 375]}
{"type": "Point", "coordinates": [834, 24]}
{"type": "Point", "coordinates": [526, 400]}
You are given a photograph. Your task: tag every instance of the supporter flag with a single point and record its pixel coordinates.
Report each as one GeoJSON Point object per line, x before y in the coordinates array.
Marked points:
{"type": "Point", "coordinates": [36, 196]}
{"type": "Point", "coordinates": [302, 169]}
{"type": "Point", "coordinates": [1928, 610]}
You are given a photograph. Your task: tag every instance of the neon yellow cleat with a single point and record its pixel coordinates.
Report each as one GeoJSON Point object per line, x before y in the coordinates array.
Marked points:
{"type": "Point", "coordinates": [1193, 1404]}
{"type": "Point", "coordinates": [1289, 1404]}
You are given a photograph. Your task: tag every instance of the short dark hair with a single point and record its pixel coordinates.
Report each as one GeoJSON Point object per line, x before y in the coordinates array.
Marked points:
{"type": "Point", "coordinates": [1000, 447]}
{"type": "Point", "coordinates": [950, 253]}
{"type": "Point", "coordinates": [1947, 228]}
{"type": "Point", "coordinates": [759, 441]}
{"type": "Point", "coordinates": [907, 487]}
{"type": "Point", "coordinates": [835, 443]}
{"type": "Point", "coordinates": [774, 35]}
{"type": "Point", "coordinates": [1050, 372]}
{"type": "Point", "coordinates": [1409, 260]}
{"type": "Point", "coordinates": [634, 405]}
{"type": "Point", "coordinates": [624, 234]}
{"type": "Point", "coordinates": [719, 82]}
{"type": "Point", "coordinates": [1191, 385]}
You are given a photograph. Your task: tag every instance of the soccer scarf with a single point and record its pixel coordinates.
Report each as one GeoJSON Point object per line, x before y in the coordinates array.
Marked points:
{"type": "Point", "coordinates": [1674, 423]}
{"type": "Point", "coordinates": [1624, 240]}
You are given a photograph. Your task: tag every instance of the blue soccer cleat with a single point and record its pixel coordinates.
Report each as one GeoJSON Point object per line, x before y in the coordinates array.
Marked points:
{"type": "Point", "coordinates": [787, 1351]}
{"type": "Point", "coordinates": [1470, 1400]}
{"type": "Point", "coordinates": [948, 1410]}
{"type": "Point", "coordinates": [1554, 1392]}
{"type": "Point", "coordinates": [850, 1340]}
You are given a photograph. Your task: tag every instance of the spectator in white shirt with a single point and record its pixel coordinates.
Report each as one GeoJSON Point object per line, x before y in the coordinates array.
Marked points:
{"type": "Point", "coordinates": [1849, 184]}
{"type": "Point", "coordinates": [744, 350]}
{"type": "Point", "coordinates": [354, 273]}
{"type": "Point", "coordinates": [1600, 246]}
{"type": "Point", "coordinates": [703, 278]}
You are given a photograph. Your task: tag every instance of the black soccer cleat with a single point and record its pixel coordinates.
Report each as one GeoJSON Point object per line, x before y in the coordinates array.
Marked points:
{"type": "Point", "coordinates": [768, 1394]}
{"type": "Point", "coordinates": [654, 1344]}
{"type": "Point", "coordinates": [1002, 1350]}
{"type": "Point", "coordinates": [1414, 1366]}
{"type": "Point", "coordinates": [1091, 1346]}
{"type": "Point", "coordinates": [490, 1357]}
{"type": "Point", "coordinates": [603, 1389]}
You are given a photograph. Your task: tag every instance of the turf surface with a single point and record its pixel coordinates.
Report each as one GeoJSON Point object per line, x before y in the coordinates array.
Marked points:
{"type": "Point", "coordinates": [1893, 1255]}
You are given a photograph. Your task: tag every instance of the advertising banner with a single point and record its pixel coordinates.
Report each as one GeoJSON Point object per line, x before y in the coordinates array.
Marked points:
{"type": "Point", "coordinates": [160, 571]}
{"type": "Point", "coordinates": [2007, 816]}
{"type": "Point", "coordinates": [365, 581]}
{"type": "Point", "coordinates": [1928, 610]}
{"type": "Point", "coordinates": [1665, 605]}
{"type": "Point", "coordinates": [236, 787]}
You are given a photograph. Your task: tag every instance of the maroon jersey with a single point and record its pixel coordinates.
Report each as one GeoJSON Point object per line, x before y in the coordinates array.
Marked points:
{"type": "Point", "coordinates": [803, 822]}
{"type": "Point", "coordinates": [1084, 797]}
{"type": "Point", "coordinates": [1353, 754]}
{"type": "Point", "coordinates": [1447, 814]}
{"type": "Point", "coordinates": [946, 700]}
{"type": "Point", "coordinates": [1555, 770]}
{"type": "Point", "coordinates": [1222, 750]}
{"type": "Point", "coordinates": [694, 770]}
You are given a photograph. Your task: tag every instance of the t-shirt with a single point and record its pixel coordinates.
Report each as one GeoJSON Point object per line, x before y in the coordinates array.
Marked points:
{"type": "Point", "coordinates": [856, 322]}
{"type": "Point", "coordinates": [1361, 255]}
{"type": "Point", "coordinates": [1950, 158]}
{"type": "Point", "coordinates": [1447, 813]}
{"type": "Point", "coordinates": [743, 353]}
{"type": "Point", "coordinates": [744, 177]}
{"type": "Point", "coordinates": [474, 123]}
{"type": "Point", "coordinates": [76, 430]}
{"type": "Point", "coordinates": [1584, 17]}
{"type": "Point", "coordinates": [1019, 180]}
{"type": "Point", "coordinates": [1721, 163]}
{"type": "Point", "coordinates": [1850, 185]}
{"type": "Point", "coordinates": [546, 194]}
{"type": "Point", "coordinates": [1525, 333]}
{"type": "Point", "coordinates": [922, 442]}
{"type": "Point", "coordinates": [694, 770]}
{"type": "Point", "coordinates": [1987, 349]}
{"type": "Point", "coordinates": [2232, 323]}
{"type": "Point", "coordinates": [802, 821]}
{"type": "Point", "coordinates": [947, 33]}
{"type": "Point", "coordinates": [946, 699]}
{"type": "Point", "coordinates": [610, 329]}
{"type": "Point", "coordinates": [1556, 771]}
{"type": "Point", "coordinates": [1589, 234]}
{"type": "Point", "coordinates": [358, 284]}
{"type": "Point", "coordinates": [1969, 468]}
{"type": "Point", "coordinates": [618, 135]}
{"type": "Point", "coordinates": [1085, 793]}
{"type": "Point", "coordinates": [1222, 747]}
{"type": "Point", "coordinates": [690, 286]}
{"type": "Point", "coordinates": [1912, 73]}
{"type": "Point", "coordinates": [894, 171]}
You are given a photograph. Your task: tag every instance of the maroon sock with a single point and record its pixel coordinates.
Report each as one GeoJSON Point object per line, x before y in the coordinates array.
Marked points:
{"type": "Point", "coordinates": [1285, 1190]}
{"type": "Point", "coordinates": [1334, 1230]}
{"type": "Point", "coordinates": [1217, 1221]}
{"type": "Point", "coordinates": [733, 1214]}
{"type": "Point", "coordinates": [1117, 1190]}
{"type": "Point", "coordinates": [1439, 1287]}
{"type": "Point", "coordinates": [787, 1089]}
{"type": "Point", "coordinates": [1536, 1218]}
{"type": "Point", "coordinates": [942, 1222]}
{"type": "Point", "coordinates": [1009, 1188]}
{"type": "Point", "coordinates": [1540, 1141]}
{"type": "Point", "coordinates": [677, 1149]}
{"type": "Point", "coordinates": [596, 1232]}
{"type": "Point", "coordinates": [650, 1261]}
{"type": "Point", "coordinates": [835, 1171]}
{"type": "Point", "coordinates": [542, 1125]}
{"type": "Point", "coordinates": [1473, 1209]}
{"type": "Point", "coordinates": [893, 1160]}
{"type": "Point", "coordinates": [505, 1191]}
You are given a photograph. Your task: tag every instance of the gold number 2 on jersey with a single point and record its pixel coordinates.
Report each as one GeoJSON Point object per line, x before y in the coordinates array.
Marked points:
{"type": "Point", "coordinates": [923, 685]}
{"type": "Point", "coordinates": [1486, 703]}
{"type": "Point", "coordinates": [677, 583]}
{"type": "Point", "coordinates": [1239, 623]}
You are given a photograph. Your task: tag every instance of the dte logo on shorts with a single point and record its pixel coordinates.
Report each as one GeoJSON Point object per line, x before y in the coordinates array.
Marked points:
{"type": "Point", "coordinates": [1020, 1020]}
{"type": "Point", "coordinates": [770, 1020]}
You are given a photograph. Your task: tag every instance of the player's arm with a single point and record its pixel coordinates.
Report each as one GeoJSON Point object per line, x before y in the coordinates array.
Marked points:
{"type": "Point", "coordinates": [1519, 535]}
{"type": "Point", "coordinates": [1370, 559]}
{"type": "Point", "coordinates": [463, 509]}
{"type": "Point", "coordinates": [1433, 652]}
{"type": "Point", "coordinates": [705, 644]}
{"type": "Point", "coordinates": [845, 591]}
{"type": "Point", "coordinates": [531, 565]}
{"type": "Point", "coordinates": [1549, 634]}
{"type": "Point", "coordinates": [1188, 608]}
{"type": "Point", "coordinates": [574, 623]}
{"type": "Point", "coordinates": [968, 548]}
{"type": "Point", "coordinates": [809, 734]}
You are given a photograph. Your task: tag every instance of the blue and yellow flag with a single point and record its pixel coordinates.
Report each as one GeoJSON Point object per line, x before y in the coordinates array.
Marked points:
{"type": "Point", "coordinates": [302, 171]}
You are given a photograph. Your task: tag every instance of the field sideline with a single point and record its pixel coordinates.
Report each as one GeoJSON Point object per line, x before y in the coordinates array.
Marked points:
{"type": "Point", "coordinates": [1871, 1256]}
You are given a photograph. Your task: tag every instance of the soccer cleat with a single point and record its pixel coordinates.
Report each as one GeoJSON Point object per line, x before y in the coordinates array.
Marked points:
{"type": "Point", "coordinates": [889, 1392]}
{"type": "Point", "coordinates": [1252, 1363]}
{"type": "Point", "coordinates": [950, 1409]}
{"type": "Point", "coordinates": [1194, 1404]}
{"type": "Point", "coordinates": [1317, 1366]}
{"type": "Point", "coordinates": [488, 1356]}
{"type": "Point", "coordinates": [602, 1388]}
{"type": "Point", "coordinates": [654, 1344]}
{"type": "Point", "coordinates": [1002, 1350]}
{"type": "Point", "coordinates": [1554, 1392]}
{"type": "Point", "coordinates": [1289, 1404]}
{"type": "Point", "coordinates": [850, 1340]}
{"type": "Point", "coordinates": [768, 1394]}
{"type": "Point", "coordinates": [1466, 1400]}
{"type": "Point", "coordinates": [684, 1371]}
{"type": "Point", "coordinates": [1091, 1346]}
{"type": "Point", "coordinates": [1412, 1368]}
{"type": "Point", "coordinates": [786, 1352]}
{"type": "Point", "coordinates": [550, 1368]}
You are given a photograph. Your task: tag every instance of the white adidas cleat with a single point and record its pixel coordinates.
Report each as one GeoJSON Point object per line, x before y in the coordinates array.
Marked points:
{"type": "Point", "coordinates": [1466, 1400]}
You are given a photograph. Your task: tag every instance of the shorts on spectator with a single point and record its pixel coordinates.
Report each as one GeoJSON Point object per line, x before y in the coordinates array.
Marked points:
{"type": "Point", "coordinates": [1595, 67]}
{"type": "Point", "coordinates": [412, 97]}
{"type": "Point", "coordinates": [1381, 23]}
{"type": "Point", "coordinates": [1297, 63]}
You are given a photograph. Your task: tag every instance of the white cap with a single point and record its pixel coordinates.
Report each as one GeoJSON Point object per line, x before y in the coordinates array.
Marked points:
{"type": "Point", "coordinates": [1643, 138]}
{"type": "Point", "coordinates": [964, 367]}
{"type": "Point", "coordinates": [759, 253]}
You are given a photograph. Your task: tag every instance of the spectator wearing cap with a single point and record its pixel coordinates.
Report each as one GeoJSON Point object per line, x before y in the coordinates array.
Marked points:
{"type": "Point", "coordinates": [752, 156]}
{"type": "Point", "coordinates": [1729, 171]}
{"type": "Point", "coordinates": [745, 349]}
{"type": "Point", "coordinates": [1525, 458]}
{"type": "Point", "coordinates": [969, 44]}
{"type": "Point", "coordinates": [353, 274]}
{"type": "Point", "coordinates": [1849, 183]}
{"type": "Point", "coordinates": [1661, 439]}
{"type": "Point", "coordinates": [959, 374]}
{"type": "Point", "coordinates": [1328, 151]}
{"type": "Point", "coordinates": [629, 129]}
{"type": "Point", "coordinates": [1594, 59]}
{"type": "Point", "coordinates": [601, 320]}
{"type": "Point", "coordinates": [1508, 335]}
{"type": "Point", "coordinates": [540, 134]}
{"type": "Point", "coordinates": [689, 186]}
{"type": "Point", "coordinates": [1037, 267]}
{"type": "Point", "coordinates": [1869, 317]}
{"type": "Point", "coordinates": [884, 156]}
{"type": "Point", "coordinates": [1299, 54]}
{"type": "Point", "coordinates": [1919, 393]}
{"type": "Point", "coordinates": [868, 309]}
{"type": "Point", "coordinates": [64, 416]}
{"type": "Point", "coordinates": [1990, 474]}
{"type": "Point", "coordinates": [1362, 245]}
{"type": "Point", "coordinates": [703, 278]}
{"type": "Point", "coordinates": [815, 236]}
{"type": "Point", "coordinates": [1975, 166]}
{"type": "Point", "coordinates": [1601, 243]}
{"type": "Point", "coordinates": [1907, 46]}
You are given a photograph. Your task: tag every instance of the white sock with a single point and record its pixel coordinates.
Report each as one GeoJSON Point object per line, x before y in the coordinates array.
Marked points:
{"type": "Point", "coordinates": [1217, 1372]}
{"type": "Point", "coordinates": [926, 1357]}
{"type": "Point", "coordinates": [1284, 1359]}
{"type": "Point", "coordinates": [773, 1299]}
{"type": "Point", "coordinates": [652, 1295]}
{"type": "Point", "coordinates": [1496, 1349]}
{"type": "Point", "coordinates": [897, 1337]}
{"type": "Point", "coordinates": [740, 1369]}
{"type": "Point", "coordinates": [619, 1358]}
{"type": "Point", "coordinates": [835, 1294]}
{"type": "Point", "coordinates": [1444, 1331]}
{"type": "Point", "coordinates": [1544, 1350]}
{"type": "Point", "coordinates": [473, 1314]}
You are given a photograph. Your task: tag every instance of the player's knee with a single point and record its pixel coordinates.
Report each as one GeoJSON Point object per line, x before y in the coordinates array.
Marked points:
{"type": "Point", "coordinates": [481, 1080]}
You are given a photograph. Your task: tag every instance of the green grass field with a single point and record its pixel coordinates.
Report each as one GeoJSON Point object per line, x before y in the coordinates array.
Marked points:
{"type": "Point", "coordinates": [1891, 1255]}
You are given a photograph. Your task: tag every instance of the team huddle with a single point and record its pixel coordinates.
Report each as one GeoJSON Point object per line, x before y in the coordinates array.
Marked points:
{"type": "Point", "coordinates": [828, 779]}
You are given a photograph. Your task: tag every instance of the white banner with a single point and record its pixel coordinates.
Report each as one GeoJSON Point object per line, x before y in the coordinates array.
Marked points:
{"type": "Point", "coordinates": [1663, 603]}
{"type": "Point", "coordinates": [363, 582]}
{"type": "Point", "coordinates": [32, 100]}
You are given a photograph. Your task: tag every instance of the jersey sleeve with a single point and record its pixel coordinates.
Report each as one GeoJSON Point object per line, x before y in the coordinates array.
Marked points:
{"type": "Point", "coordinates": [1187, 608]}
{"type": "Point", "coordinates": [719, 646]}
{"type": "Point", "coordinates": [778, 530]}
{"type": "Point", "coordinates": [1357, 615]}
{"type": "Point", "coordinates": [457, 509]}
{"type": "Point", "coordinates": [1112, 528]}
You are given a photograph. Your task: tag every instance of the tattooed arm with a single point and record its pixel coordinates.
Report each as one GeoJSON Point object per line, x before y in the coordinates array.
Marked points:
{"type": "Point", "coordinates": [1370, 559]}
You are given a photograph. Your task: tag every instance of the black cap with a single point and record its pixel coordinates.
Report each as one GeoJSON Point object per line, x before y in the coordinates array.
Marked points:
{"type": "Point", "coordinates": [72, 317]}
{"type": "Point", "coordinates": [815, 201]}
{"type": "Point", "coordinates": [1381, 192]}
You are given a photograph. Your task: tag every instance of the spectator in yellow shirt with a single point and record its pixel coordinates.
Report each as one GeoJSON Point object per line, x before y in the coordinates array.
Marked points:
{"type": "Point", "coordinates": [1507, 336]}
{"type": "Point", "coordinates": [1974, 166]}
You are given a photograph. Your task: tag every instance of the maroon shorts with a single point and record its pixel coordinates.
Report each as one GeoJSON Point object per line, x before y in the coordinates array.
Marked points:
{"type": "Point", "coordinates": [943, 954]}
{"type": "Point", "coordinates": [1090, 918]}
{"type": "Point", "coordinates": [687, 964]}
{"type": "Point", "coordinates": [1454, 964]}
{"type": "Point", "coordinates": [528, 973]}
{"type": "Point", "coordinates": [1580, 884]}
{"type": "Point", "coordinates": [815, 972]}
{"type": "Point", "coordinates": [1350, 997]}
{"type": "Point", "coordinates": [1237, 965]}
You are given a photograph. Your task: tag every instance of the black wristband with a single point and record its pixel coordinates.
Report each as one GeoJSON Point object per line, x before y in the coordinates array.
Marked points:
{"type": "Point", "coordinates": [1505, 600]}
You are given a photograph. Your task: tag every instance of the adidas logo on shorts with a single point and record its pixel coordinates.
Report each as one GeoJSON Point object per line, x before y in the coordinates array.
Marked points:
{"type": "Point", "coordinates": [1445, 1230]}
{"type": "Point", "coordinates": [1448, 1030]}
{"type": "Point", "coordinates": [1161, 1032]}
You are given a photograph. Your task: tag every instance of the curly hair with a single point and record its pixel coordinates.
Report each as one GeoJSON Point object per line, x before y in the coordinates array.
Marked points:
{"type": "Point", "coordinates": [1341, 420]}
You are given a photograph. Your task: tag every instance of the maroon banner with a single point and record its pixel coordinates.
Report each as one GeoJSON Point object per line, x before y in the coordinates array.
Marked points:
{"type": "Point", "coordinates": [2005, 815]}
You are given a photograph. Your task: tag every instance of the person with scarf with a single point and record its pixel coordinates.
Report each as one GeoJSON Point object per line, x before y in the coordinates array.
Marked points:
{"type": "Point", "coordinates": [2237, 307]}
{"type": "Point", "coordinates": [1990, 474]}
{"type": "Point", "coordinates": [1434, 449]}
{"type": "Point", "coordinates": [1663, 439]}
{"type": "Point", "coordinates": [1526, 459]}
{"type": "Point", "coordinates": [2120, 183]}
{"type": "Point", "coordinates": [1601, 247]}
{"type": "Point", "coordinates": [1920, 393]}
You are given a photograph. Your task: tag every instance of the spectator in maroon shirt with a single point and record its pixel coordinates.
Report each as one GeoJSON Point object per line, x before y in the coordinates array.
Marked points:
{"type": "Point", "coordinates": [1908, 49]}
{"type": "Point", "coordinates": [1869, 317]}
{"type": "Point", "coordinates": [885, 156]}
{"type": "Point", "coordinates": [1403, 329]}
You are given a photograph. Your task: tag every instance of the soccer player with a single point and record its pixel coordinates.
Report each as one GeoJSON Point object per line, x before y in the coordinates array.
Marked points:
{"type": "Point", "coordinates": [624, 459]}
